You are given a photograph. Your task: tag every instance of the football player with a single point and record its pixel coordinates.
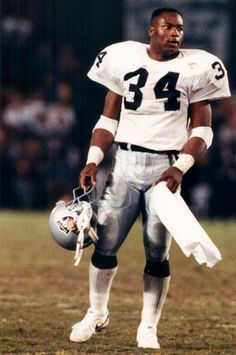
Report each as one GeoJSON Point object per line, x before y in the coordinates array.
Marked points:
{"type": "Point", "coordinates": [157, 109]}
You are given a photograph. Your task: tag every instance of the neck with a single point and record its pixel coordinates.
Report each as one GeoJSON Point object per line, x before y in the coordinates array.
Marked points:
{"type": "Point", "coordinates": [161, 57]}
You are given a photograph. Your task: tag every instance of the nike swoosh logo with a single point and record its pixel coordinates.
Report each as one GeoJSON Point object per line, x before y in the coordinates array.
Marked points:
{"type": "Point", "coordinates": [100, 326]}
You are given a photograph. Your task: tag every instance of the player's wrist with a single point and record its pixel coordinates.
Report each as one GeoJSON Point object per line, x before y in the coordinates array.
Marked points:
{"type": "Point", "coordinates": [184, 162]}
{"type": "Point", "coordinates": [95, 155]}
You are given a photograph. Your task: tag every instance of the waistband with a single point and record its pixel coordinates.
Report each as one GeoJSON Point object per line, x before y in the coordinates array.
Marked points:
{"type": "Point", "coordinates": [136, 148]}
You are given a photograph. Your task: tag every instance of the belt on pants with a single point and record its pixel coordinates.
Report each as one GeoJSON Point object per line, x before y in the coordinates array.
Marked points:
{"type": "Point", "coordinates": [136, 148]}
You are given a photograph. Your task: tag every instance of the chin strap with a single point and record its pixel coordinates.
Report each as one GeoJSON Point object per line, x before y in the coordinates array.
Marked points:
{"type": "Point", "coordinates": [79, 248]}
{"type": "Point", "coordinates": [93, 235]}
{"type": "Point", "coordinates": [85, 213]}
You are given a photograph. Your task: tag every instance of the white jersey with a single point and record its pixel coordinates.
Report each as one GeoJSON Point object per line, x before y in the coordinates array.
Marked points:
{"type": "Point", "coordinates": [157, 94]}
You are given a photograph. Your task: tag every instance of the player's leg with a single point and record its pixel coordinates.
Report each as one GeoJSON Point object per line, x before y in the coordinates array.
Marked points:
{"type": "Point", "coordinates": [156, 277]}
{"type": "Point", "coordinates": [100, 280]}
{"type": "Point", "coordinates": [117, 211]}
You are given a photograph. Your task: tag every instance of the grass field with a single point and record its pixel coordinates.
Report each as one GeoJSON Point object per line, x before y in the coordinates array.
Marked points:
{"type": "Point", "coordinates": [42, 294]}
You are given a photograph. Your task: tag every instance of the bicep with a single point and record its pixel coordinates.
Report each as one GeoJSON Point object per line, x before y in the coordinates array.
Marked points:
{"type": "Point", "coordinates": [200, 114]}
{"type": "Point", "coordinates": [112, 105]}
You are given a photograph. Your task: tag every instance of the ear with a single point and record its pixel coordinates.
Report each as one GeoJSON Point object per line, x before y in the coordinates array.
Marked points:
{"type": "Point", "coordinates": [151, 31]}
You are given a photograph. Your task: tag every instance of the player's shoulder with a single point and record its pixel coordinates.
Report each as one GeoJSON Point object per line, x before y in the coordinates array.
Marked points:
{"type": "Point", "coordinates": [122, 56]}
{"type": "Point", "coordinates": [127, 47]}
{"type": "Point", "coordinates": [199, 57]}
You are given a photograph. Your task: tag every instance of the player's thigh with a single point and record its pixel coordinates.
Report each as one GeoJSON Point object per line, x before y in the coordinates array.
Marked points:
{"type": "Point", "coordinates": [117, 211]}
{"type": "Point", "coordinates": [157, 240]}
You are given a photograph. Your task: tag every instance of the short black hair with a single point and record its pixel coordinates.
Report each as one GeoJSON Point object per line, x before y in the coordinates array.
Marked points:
{"type": "Point", "coordinates": [159, 11]}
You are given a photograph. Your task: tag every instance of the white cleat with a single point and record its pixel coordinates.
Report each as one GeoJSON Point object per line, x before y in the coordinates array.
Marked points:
{"type": "Point", "coordinates": [89, 325]}
{"type": "Point", "coordinates": [147, 338]}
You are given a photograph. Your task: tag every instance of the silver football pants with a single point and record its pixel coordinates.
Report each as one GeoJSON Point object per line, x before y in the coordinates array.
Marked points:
{"type": "Point", "coordinates": [127, 193]}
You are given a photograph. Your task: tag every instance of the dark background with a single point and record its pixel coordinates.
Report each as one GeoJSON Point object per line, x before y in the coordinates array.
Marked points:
{"type": "Point", "coordinates": [27, 69]}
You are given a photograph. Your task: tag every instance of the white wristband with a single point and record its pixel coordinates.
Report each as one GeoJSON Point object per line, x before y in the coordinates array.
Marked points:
{"type": "Point", "coordinates": [184, 162]}
{"type": "Point", "coordinates": [95, 155]}
{"type": "Point", "coordinates": [107, 123]}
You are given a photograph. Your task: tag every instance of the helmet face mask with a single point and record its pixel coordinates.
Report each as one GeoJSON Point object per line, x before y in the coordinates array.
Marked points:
{"type": "Point", "coordinates": [73, 224]}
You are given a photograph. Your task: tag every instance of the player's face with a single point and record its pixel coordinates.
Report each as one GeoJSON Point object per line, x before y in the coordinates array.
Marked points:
{"type": "Point", "coordinates": [166, 35]}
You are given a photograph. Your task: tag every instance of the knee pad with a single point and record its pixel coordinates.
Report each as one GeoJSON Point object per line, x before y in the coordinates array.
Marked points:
{"type": "Point", "coordinates": [157, 268]}
{"type": "Point", "coordinates": [104, 261]}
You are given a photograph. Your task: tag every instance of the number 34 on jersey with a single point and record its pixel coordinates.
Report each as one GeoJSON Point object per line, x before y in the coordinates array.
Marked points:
{"type": "Point", "coordinates": [113, 68]}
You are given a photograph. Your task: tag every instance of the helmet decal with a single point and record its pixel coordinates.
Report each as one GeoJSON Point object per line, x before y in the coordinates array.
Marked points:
{"type": "Point", "coordinates": [73, 224]}
{"type": "Point", "coordinates": [67, 224]}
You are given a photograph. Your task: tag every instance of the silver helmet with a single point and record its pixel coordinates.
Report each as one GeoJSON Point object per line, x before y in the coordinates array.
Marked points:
{"type": "Point", "coordinates": [73, 224]}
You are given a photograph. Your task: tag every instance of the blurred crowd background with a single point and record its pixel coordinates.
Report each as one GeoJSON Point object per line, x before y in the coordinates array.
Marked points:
{"type": "Point", "coordinates": [48, 106]}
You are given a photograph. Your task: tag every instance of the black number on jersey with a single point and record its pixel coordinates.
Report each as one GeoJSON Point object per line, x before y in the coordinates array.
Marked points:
{"type": "Point", "coordinates": [220, 69]}
{"type": "Point", "coordinates": [164, 88]}
{"type": "Point", "coordinates": [100, 57]}
{"type": "Point", "coordinates": [135, 88]}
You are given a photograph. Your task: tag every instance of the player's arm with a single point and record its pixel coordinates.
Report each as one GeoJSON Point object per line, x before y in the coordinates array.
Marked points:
{"type": "Point", "coordinates": [102, 138]}
{"type": "Point", "coordinates": [199, 140]}
{"type": "Point", "coordinates": [201, 133]}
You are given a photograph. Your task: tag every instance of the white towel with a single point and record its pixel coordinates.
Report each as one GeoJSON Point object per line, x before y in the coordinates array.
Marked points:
{"type": "Point", "coordinates": [184, 227]}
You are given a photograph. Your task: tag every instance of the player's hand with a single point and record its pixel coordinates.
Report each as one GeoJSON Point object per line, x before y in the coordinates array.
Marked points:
{"type": "Point", "coordinates": [173, 177]}
{"type": "Point", "coordinates": [88, 176]}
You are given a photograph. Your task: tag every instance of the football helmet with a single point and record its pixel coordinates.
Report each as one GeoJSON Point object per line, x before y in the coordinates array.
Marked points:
{"type": "Point", "coordinates": [73, 224]}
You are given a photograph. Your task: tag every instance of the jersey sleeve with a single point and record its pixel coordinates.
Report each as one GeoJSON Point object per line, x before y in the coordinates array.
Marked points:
{"type": "Point", "coordinates": [210, 82]}
{"type": "Point", "coordinates": [104, 70]}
